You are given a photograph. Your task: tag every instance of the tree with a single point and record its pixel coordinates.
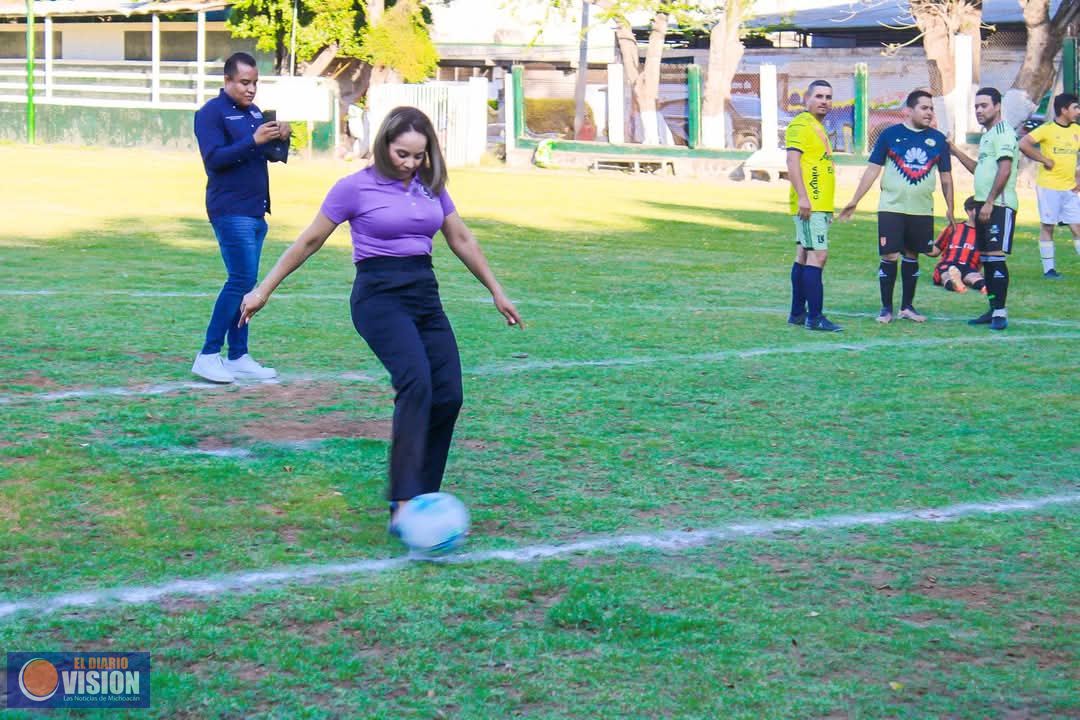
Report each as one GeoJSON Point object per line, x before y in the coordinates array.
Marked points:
{"type": "Point", "coordinates": [1044, 39]}
{"type": "Point", "coordinates": [644, 77]}
{"type": "Point", "coordinates": [938, 21]}
{"type": "Point", "coordinates": [725, 52]}
{"type": "Point", "coordinates": [397, 42]}
{"type": "Point", "coordinates": [268, 22]}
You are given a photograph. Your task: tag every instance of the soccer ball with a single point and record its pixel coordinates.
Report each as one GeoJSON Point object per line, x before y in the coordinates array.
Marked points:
{"type": "Point", "coordinates": [433, 523]}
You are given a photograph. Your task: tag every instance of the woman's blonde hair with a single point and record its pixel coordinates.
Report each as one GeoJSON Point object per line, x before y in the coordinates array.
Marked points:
{"type": "Point", "coordinates": [401, 120]}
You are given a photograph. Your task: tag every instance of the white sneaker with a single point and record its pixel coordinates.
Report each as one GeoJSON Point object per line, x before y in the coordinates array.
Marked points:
{"type": "Point", "coordinates": [246, 367]}
{"type": "Point", "coordinates": [211, 367]}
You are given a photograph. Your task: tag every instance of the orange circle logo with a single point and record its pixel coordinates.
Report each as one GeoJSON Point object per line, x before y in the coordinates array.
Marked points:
{"type": "Point", "coordinates": [38, 679]}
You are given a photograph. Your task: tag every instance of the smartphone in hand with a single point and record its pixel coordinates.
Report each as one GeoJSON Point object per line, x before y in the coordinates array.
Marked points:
{"type": "Point", "coordinates": [269, 115]}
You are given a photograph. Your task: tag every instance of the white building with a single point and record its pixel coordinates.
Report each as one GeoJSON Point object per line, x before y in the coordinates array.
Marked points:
{"type": "Point", "coordinates": [110, 31]}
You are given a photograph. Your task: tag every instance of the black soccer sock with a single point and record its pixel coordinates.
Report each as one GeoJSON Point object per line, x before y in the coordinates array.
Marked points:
{"type": "Point", "coordinates": [887, 280]}
{"type": "Point", "coordinates": [814, 290]}
{"type": "Point", "coordinates": [909, 278]}
{"type": "Point", "coordinates": [997, 281]}
{"type": "Point", "coordinates": [978, 284]}
{"type": "Point", "coordinates": [798, 300]}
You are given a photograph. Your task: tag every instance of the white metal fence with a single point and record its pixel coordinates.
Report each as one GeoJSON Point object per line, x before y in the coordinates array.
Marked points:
{"type": "Point", "coordinates": [125, 84]}
{"type": "Point", "coordinates": [102, 83]}
{"type": "Point", "coordinates": [458, 112]}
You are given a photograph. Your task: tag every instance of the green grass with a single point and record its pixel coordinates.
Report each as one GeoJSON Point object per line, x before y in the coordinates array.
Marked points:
{"type": "Point", "coordinates": [969, 619]}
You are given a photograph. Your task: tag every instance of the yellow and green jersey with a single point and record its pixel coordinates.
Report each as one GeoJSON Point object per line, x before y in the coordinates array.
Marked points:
{"type": "Point", "coordinates": [807, 135]}
{"type": "Point", "coordinates": [1061, 144]}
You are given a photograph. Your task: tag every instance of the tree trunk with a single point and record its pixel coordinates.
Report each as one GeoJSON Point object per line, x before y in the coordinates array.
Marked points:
{"type": "Point", "coordinates": [725, 52]}
{"type": "Point", "coordinates": [321, 62]}
{"type": "Point", "coordinates": [375, 9]}
{"type": "Point", "coordinates": [1044, 40]}
{"type": "Point", "coordinates": [628, 52]}
{"type": "Point", "coordinates": [970, 24]}
{"type": "Point", "coordinates": [647, 87]}
{"type": "Point", "coordinates": [644, 81]}
{"type": "Point", "coordinates": [939, 21]}
{"type": "Point", "coordinates": [938, 44]}
{"type": "Point", "coordinates": [280, 54]}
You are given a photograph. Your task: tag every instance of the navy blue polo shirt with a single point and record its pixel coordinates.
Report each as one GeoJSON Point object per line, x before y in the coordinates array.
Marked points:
{"type": "Point", "coordinates": [237, 182]}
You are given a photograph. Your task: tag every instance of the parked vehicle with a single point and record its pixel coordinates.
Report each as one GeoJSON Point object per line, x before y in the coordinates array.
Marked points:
{"type": "Point", "coordinates": [743, 118]}
{"type": "Point", "coordinates": [744, 113]}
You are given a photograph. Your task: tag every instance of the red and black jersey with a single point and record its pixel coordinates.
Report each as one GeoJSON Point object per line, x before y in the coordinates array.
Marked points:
{"type": "Point", "coordinates": [958, 246]}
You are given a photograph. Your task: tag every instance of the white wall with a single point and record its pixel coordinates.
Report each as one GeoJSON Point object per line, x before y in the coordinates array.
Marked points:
{"type": "Point", "coordinates": [85, 41]}
{"type": "Point", "coordinates": [528, 25]}
{"type": "Point", "coordinates": [105, 41]}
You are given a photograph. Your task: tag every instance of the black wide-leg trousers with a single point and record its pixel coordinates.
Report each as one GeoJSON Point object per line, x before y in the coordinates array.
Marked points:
{"type": "Point", "coordinates": [396, 309]}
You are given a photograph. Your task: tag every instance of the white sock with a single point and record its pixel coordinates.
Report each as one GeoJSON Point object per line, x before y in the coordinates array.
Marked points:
{"type": "Point", "coordinates": [1076, 244]}
{"type": "Point", "coordinates": [1046, 252]}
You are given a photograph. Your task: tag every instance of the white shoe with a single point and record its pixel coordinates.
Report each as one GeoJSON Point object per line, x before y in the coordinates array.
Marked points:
{"type": "Point", "coordinates": [246, 367]}
{"type": "Point", "coordinates": [211, 367]}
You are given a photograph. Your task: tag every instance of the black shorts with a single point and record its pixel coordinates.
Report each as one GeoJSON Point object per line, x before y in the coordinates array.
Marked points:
{"type": "Point", "coordinates": [898, 232]}
{"type": "Point", "coordinates": [996, 235]}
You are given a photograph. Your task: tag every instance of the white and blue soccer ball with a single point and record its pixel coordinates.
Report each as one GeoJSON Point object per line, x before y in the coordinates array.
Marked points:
{"type": "Point", "coordinates": [433, 523]}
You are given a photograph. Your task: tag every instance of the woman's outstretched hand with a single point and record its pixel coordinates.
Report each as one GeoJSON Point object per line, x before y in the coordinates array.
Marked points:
{"type": "Point", "coordinates": [252, 303]}
{"type": "Point", "coordinates": [503, 305]}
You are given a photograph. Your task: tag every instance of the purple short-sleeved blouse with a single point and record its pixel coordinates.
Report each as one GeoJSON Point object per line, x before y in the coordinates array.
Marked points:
{"type": "Point", "coordinates": [386, 218]}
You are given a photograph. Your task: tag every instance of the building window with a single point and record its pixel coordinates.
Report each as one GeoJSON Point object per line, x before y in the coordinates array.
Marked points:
{"type": "Point", "coordinates": [182, 45]}
{"type": "Point", "coordinates": [13, 45]}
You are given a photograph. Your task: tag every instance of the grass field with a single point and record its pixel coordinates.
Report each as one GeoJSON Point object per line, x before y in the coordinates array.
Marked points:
{"type": "Point", "coordinates": [662, 390]}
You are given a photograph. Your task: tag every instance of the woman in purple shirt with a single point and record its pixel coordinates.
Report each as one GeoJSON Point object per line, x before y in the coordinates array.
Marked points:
{"type": "Point", "coordinates": [394, 208]}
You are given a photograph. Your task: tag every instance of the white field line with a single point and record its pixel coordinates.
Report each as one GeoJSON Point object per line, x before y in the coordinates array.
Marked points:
{"type": "Point", "coordinates": [168, 388]}
{"type": "Point", "coordinates": [240, 453]}
{"type": "Point", "coordinates": [673, 308]}
{"type": "Point", "coordinates": [671, 541]}
{"type": "Point", "coordinates": [981, 338]}
{"type": "Point", "coordinates": [814, 348]}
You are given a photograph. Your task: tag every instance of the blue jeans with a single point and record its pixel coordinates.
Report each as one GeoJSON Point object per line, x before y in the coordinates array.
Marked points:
{"type": "Point", "coordinates": [240, 239]}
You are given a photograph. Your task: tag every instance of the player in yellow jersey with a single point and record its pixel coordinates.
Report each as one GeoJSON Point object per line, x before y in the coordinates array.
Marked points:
{"type": "Point", "coordinates": [810, 170]}
{"type": "Point", "coordinates": [1058, 143]}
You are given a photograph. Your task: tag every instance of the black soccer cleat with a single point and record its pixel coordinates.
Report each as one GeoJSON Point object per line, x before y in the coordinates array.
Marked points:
{"type": "Point", "coordinates": [822, 324]}
{"type": "Point", "coordinates": [799, 319]}
{"type": "Point", "coordinates": [999, 323]}
{"type": "Point", "coordinates": [983, 319]}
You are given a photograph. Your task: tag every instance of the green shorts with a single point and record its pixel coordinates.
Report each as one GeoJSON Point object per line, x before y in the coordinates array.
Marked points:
{"type": "Point", "coordinates": [813, 234]}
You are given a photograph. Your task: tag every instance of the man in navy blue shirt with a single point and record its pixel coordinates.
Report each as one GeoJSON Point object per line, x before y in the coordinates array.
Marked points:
{"type": "Point", "coordinates": [236, 141]}
{"type": "Point", "coordinates": [911, 154]}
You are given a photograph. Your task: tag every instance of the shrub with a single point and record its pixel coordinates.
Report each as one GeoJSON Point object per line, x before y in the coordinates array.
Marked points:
{"type": "Point", "coordinates": [301, 138]}
{"type": "Point", "coordinates": [553, 115]}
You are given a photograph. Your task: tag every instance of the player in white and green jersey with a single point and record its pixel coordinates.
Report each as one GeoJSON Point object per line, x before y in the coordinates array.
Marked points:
{"type": "Point", "coordinates": [995, 190]}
